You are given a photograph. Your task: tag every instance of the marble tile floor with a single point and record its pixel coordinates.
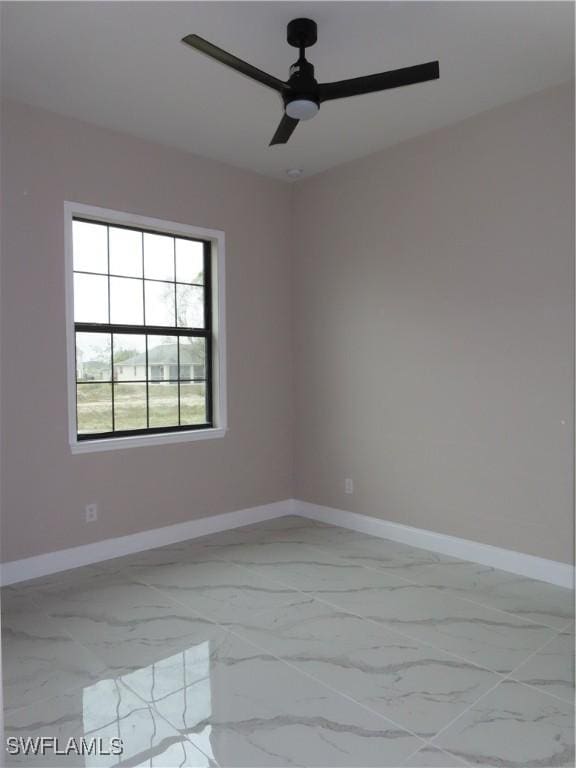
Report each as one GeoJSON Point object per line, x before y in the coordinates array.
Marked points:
{"type": "Point", "coordinates": [291, 643]}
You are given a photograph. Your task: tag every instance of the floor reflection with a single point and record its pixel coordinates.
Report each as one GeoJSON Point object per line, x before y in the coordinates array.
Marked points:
{"type": "Point", "coordinates": [112, 711]}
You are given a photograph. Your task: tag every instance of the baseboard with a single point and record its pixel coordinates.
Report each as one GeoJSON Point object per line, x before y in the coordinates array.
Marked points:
{"type": "Point", "coordinates": [561, 574]}
{"type": "Point", "coordinates": [551, 571]}
{"type": "Point", "coordinates": [43, 565]}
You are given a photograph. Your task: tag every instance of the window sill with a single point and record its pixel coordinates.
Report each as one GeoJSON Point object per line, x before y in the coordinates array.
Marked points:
{"type": "Point", "coordinates": [137, 441]}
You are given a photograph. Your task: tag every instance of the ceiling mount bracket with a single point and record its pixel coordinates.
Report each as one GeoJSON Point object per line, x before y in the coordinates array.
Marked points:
{"type": "Point", "coordinates": [302, 33]}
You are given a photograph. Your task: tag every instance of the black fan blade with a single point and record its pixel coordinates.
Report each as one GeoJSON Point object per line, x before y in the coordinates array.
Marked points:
{"type": "Point", "coordinates": [234, 62]}
{"type": "Point", "coordinates": [380, 82]}
{"type": "Point", "coordinates": [284, 130]}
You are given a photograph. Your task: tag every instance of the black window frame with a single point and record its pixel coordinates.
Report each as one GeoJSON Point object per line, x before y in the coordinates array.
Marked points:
{"type": "Point", "coordinates": [205, 333]}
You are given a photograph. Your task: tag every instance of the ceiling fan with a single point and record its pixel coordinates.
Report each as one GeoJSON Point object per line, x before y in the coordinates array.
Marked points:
{"type": "Point", "coordinates": [301, 93]}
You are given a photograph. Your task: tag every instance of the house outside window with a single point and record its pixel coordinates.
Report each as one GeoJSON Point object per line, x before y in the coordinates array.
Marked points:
{"type": "Point", "coordinates": [145, 328]}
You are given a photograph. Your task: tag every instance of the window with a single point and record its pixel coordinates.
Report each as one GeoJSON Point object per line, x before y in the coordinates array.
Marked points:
{"type": "Point", "coordinates": [146, 321]}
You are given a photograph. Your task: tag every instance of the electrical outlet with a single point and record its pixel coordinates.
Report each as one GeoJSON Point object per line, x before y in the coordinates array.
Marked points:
{"type": "Point", "coordinates": [348, 485]}
{"type": "Point", "coordinates": [91, 513]}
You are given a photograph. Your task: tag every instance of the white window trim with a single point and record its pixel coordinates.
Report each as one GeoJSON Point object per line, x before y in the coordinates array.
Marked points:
{"type": "Point", "coordinates": [216, 237]}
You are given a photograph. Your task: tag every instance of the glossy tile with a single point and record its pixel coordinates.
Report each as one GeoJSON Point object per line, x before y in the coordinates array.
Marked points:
{"type": "Point", "coordinates": [221, 591]}
{"type": "Point", "coordinates": [414, 685]}
{"type": "Point", "coordinates": [246, 708]}
{"type": "Point", "coordinates": [526, 598]}
{"type": "Point", "coordinates": [430, 757]}
{"type": "Point", "coordinates": [124, 624]}
{"type": "Point", "coordinates": [273, 551]}
{"type": "Point", "coordinates": [292, 643]}
{"type": "Point", "coordinates": [390, 556]}
{"type": "Point", "coordinates": [193, 551]}
{"type": "Point", "coordinates": [104, 711]}
{"type": "Point", "coordinates": [286, 523]}
{"type": "Point", "coordinates": [39, 657]}
{"type": "Point", "coordinates": [492, 639]}
{"type": "Point", "coordinates": [551, 670]}
{"type": "Point", "coordinates": [300, 531]}
{"type": "Point", "coordinates": [55, 582]}
{"type": "Point", "coordinates": [123, 566]}
{"type": "Point", "coordinates": [513, 726]}
{"type": "Point", "coordinates": [329, 536]}
{"type": "Point", "coordinates": [313, 570]}
{"type": "Point", "coordinates": [14, 602]}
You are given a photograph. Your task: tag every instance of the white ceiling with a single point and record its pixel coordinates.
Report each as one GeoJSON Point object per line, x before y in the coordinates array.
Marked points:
{"type": "Point", "coordinates": [121, 65]}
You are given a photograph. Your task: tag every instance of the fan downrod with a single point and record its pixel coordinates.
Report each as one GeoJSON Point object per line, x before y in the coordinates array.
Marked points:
{"type": "Point", "coordinates": [302, 33]}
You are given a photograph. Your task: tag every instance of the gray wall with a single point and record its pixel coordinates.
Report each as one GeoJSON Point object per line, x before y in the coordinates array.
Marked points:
{"type": "Point", "coordinates": [433, 330]}
{"type": "Point", "coordinates": [48, 159]}
{"type": "Point", "coordinates": [420, 341]}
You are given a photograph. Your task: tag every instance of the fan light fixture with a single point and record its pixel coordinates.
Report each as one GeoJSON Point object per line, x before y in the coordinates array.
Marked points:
{"type": "Point", "coordinates": [302, 109]}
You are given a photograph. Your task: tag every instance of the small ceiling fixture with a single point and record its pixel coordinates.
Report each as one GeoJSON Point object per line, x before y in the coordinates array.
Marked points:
{"type": "Point", "coordinates": [302, 94]}
{"type": "Point", "coordinates": [294, 173]}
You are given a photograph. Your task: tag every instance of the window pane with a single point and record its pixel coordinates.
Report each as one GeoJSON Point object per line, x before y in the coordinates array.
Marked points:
{"type": "Point", "coordinates": [158, 257]}
{"type": "Point", "coordinates": [189, 261]}
{"type": "Point", "coordinates": [94, 407]}
{"type": "Point", "coordinates": [192, 404]}
{"type": "Point", "coordinates": [154, 283]}
{"type": "Point", "coordinates": [90, 247]}
{"type": "Point", "coordinates": [129, 357]}
{"type": "Point", "coordinates": [90, 299]}
{"type": "Point", "coordinates": [93, 357]}
{"type": "Point", "coordinates": [190, 303]}
{"type": "Point", "coordinates": [162, 357]}
{"type": "Point", "coordinates": [129, 406]}
{"type": "Point", "coordinates": [192, 358]}
{"type": "Point", "coordinates": [125, 252]}
{"type": "Point", "coordinates": [160, 303]}
{"type": "Point", "coordinates": [126, 301]}
{"type": "Point", "coordinates": [163, 404]}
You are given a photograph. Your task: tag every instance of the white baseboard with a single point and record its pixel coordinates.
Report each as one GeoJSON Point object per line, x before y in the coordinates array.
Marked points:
{"type": "Point", "coordinates": [52, 562]}
{"type": "Point", "coordinates": [561, 574]}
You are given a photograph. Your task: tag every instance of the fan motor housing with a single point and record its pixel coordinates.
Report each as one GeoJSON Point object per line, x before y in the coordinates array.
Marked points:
{"type": "Point", "coordinates": [302, 83]}
{"type": "Point", "coordinates": [302, 33]}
